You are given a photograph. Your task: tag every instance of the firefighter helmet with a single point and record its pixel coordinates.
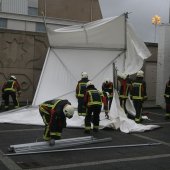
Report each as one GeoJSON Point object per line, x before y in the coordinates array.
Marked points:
{"type": "Point", "coordinates": [13, 77]}
{"type": "Point", "coordinates": [124, 76]}
{"type": "Point", "coordinates": [140, 73]}
{"type": "Point", "coordinates": [89, 83]}
{"type": "Point", "coordinates": [68, 111]}
{"type": "Point", "coordinates": [84, 75]}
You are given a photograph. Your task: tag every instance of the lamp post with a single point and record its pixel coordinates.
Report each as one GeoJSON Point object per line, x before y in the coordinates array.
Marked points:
{"type": "Point", "coordinates": [156, 20]}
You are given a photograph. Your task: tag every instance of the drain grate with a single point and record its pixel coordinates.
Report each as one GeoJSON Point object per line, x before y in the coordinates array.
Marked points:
{"type": "Point", "coordinates": [26, 165]}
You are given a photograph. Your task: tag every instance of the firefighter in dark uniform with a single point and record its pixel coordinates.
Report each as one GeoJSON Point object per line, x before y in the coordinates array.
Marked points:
{"type": "Point", "coordinates": [80, 90]}
{"type": "Point", "coordinates": [167, 99]}
{"type": "Point", "coordinates": [124, 90]}
{"type": "Point", "coordinates": [107, 86]}
{"type": "Point", "coordinates": [11, 88]}
{"type": "Point", "coordinates": [93, 103]}
{"type": "Point", "coordinates": [54, 113]}
{"type": "Point", "coordinates": [138, 94]}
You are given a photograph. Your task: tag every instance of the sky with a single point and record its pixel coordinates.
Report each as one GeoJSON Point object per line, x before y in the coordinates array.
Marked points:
{"type": "Point", "coordinates": [140, 15]}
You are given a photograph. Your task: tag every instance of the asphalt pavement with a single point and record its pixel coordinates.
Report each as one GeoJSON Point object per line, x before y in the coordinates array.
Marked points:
{"type": "Point", "coordinates": [148, 150]}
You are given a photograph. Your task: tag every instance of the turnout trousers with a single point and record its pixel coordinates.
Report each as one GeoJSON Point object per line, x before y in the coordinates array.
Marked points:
{"type": "Point", "coordinates": [53, 132]}
{"type": "Point", "coordinates": [138, 108]}
{"type": "Point", "coordinates": [92, 115]}
{"type": "Point", "coordinates": [6, 96]}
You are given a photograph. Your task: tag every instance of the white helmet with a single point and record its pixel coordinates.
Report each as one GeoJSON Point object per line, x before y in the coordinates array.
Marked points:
{"type": "Point", "coordinates": [124, 76]}
{"type": "Point", "coordinates": [13, 77]}
{"type": "Point", "coordinates": [140, 73]}
{"type": "Point", "coordinates": [89, 83]}
{"type": "Point", "coordinates": [84, 75]}
{"type": "Point", "coordinates": [68, 111]}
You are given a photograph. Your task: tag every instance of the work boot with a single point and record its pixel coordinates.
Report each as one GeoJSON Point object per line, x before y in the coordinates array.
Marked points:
{"type": "Point", "coordinates": [167, 117]}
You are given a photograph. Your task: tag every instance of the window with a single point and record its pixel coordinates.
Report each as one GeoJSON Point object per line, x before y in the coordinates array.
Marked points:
{"type": "Point", "coordinates": [3, 23]}
{"type": "Point", "coordinates": [40, 27]}
{"type": "Point", "coordinates": [32, 11]}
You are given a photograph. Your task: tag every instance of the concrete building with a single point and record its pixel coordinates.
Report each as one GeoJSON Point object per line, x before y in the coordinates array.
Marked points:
{"type": "Point", "coordinates": [79, 10]}
{"type": "Point", "coordinates": [23, 39]}
{"type": "Point", "coordinates": [163, 64]}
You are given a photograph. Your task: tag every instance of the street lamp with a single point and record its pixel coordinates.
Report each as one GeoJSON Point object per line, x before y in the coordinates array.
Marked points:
{"type": "Point", "coordinates": [156, 20]}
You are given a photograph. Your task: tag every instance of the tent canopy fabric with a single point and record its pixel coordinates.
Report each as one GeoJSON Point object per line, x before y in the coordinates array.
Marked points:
{"type": "Point", "coordinates": [94, 48]}
{"type": "Point", "coordinates": [98, 34]}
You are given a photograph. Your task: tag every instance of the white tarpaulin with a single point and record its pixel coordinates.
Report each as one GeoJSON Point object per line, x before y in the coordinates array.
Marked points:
{"type": "Point", "coordinates": [118, 119]}
{"type": "Point", "coordinates": [94, 48]}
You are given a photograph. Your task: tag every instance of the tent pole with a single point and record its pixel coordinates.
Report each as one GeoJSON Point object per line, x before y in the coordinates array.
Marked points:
{"type": "Point", "coordinates": [42, 72]}
{"type": "Point", "coordinates": [86, 148]}
{"type": "Point", "coordinates": [126, 16]}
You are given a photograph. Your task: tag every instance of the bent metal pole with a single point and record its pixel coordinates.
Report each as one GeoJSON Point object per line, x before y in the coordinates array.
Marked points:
{"type": "Point", "coordinates": [86, 148]}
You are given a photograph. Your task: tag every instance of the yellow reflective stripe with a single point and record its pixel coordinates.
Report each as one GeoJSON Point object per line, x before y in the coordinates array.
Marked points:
{"type": "Point", "coordinates": [93, 103]}
{"type": "Point", "coordinates": [137, 97]}
{"type": "Point", "coordinates": [44, 120]}
{"type": "Point", "coordinates": [49, 105]}
{"type": "Point", "coordinates": [45, 136]}
{"type": "Point", "coordinates": [87, 128]}
{"type": "Point", "coordinates": [43, 110]}
{"type": "Point", "coordinates": [82, 114]}
{"type": "Point", "coordinates": [122, 96]}
{"type": "Point", "coordinates": [10, 89]}
{"type": "Point", "coordinates": [79, 93]}
{"type": "Point", "coordinates": [91, 99]}
{"type": "Point", "coordinates": [55, 134]}
{"type": "Point", "coordinates": [46, 105]}
{"type": "Point", "coordinates": [56, 103]}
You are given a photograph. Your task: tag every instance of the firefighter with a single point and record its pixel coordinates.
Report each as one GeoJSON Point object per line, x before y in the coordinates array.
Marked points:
{"type": "Point", "coordinates": [124, 90]}
{"type": "Point", "coordinates": [80, 90]}
{"type": "Point", "coordinates": [105, 101]}
{"type": "Point", "coordinates": [167, 99]}
{"type": "Point", "coordinates": [138, 94]}
{"type": "Point", "coordinates": [11, 88]}
{"type": "Point", "coordinates": [107, 86]}
{"type": "Point", "coordinates": [54, 113]}
{"type": "Point", "coordinates": [93, 103]}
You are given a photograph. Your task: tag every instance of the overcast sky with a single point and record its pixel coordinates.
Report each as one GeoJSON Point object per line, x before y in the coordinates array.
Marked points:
{"type": "Point", "coordinates": [141, 16]}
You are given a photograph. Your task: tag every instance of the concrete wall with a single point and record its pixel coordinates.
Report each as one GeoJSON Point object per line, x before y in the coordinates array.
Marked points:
{"type": "Point", "coordinates": [80, 10]}
{"type": "Point", "coordinates": [150, 70]}
{"type": "Point", "coordinates": [22, 54]}
{"type": "Point", "coordinates": [163, 64]}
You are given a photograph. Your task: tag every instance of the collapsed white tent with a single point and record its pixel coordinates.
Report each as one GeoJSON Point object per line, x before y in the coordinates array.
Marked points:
{"type": "Point", "coordinates": [118, 119]}
{"type": "Point", "coordinates": [94, 48]}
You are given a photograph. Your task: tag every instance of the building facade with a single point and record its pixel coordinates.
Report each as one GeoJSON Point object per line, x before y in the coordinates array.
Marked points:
{"type": "Point", "coordinates": [23, 38]}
